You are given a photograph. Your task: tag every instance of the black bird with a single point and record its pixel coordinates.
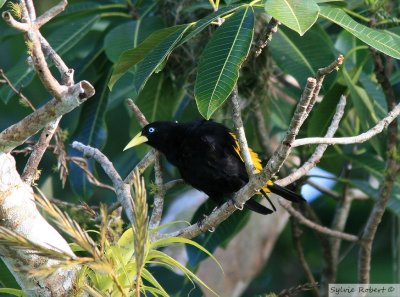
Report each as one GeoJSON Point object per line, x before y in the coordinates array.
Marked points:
{"type": "Point", "coordinates": [207, 155]}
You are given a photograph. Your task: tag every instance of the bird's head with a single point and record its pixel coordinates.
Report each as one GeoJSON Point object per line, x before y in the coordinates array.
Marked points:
{"type": "Point", "coordinates": [156, 134]}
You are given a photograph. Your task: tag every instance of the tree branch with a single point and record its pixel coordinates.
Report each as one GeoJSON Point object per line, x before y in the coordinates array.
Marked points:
{"type": "Point", "coordinates": [391, 170]}
{"type": "Point", "coordinates": [378, 128]}
{"type": "Point", "coordinates": [18, 133]}
{"type": "Point", "coordinates": [122, 189]}
{"type": "Point", "coordinates": [296, 238]}
{"type": "Point", "coordinates": [272, 27]}
{"type": "Point", "coordinates": [241, 137]}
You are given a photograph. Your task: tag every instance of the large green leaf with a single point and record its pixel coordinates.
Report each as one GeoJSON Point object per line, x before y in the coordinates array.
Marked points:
{"type": "Point", "coordinates": [91, 129]}
{"type": "Point", "coordinates": [380, 40]}
{"type": "Point", "coordinates": [298, 15]}
{"type": "Point", "coordinates": [61, 40]}
{"type": "Point", "coordinates": [374, 166]}
{"type": "Point", "coordinates": [128, 35]}
{"type": "Point", "coordinates": [147, 56]}
{"type": "Point", "coordinates": [219, 65]}
{"type": "Point", "coordinates": [364, 107]}
{"type": "Point", "coordinates": [299, 57]}
{"type": "Point", "coordinates": [2, 3]}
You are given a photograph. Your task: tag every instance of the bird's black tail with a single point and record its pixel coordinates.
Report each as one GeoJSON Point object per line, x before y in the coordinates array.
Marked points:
{"type": "Point", "coordinates": [257, 207]}
{"type": "Point", "coordinates": [286, 193]}
{"type": "Point", "coordinates": [281, 191]}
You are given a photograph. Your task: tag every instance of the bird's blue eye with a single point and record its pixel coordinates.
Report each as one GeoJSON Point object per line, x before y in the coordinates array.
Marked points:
{"type": "Point", "coordinates": [151, 130]}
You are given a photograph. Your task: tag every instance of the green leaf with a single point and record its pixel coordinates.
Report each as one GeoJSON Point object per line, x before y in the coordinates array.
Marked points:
{"type": "Point", "coordinates": [91, 129]}
{"type": "Point", "coordinates": [200, 25]}
{"type": "Point", "coordinates": [128, 35]}
{"type": "Point", "coordinates": [162, 257]}
{"type": "Point", "coordinates": [298, 15]}
{"type": "Point", "coordinates": [160, 98]}
{"type": "Point", "coordinates": [14, 292]}
{"type": "Point", "coordinates": [321, 117]}
{"type": "Point", "coordinates": [366, 187]}
{"type": "Point", "coordinates": [171, 240]}
{"type": "Point", "coordinates": [147, 56]}
{"type": "Point", "coordinates": [380, 40]}
{"type": "Point", "coordinates": [364, 107]}
{"type": "Point", "coordinates": [299, 57]}
{"type": "Point", "coordinates": [2, 2]}
{"type": "Point", "coordinates": [219, 65]}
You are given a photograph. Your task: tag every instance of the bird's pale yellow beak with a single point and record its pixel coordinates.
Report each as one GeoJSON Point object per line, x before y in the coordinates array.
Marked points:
{"type": "Point", "coordinates": [138, 139]}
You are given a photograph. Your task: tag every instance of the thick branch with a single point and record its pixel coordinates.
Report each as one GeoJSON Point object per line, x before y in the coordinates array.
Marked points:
{"type": "Point", "coordinates": [18, 213]}
{"type": "Point", "coordinates": [300, 115]}
{"type": "Point", "coordinates": [18, 133]}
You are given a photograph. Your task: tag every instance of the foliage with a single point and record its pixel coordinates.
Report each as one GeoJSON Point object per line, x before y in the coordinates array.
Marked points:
{"type": "Point", "coordinates": [120, 267]}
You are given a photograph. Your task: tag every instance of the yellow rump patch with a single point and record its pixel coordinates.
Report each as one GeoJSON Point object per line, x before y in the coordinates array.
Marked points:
{"type": "Point", "coordinates": [254, 157]}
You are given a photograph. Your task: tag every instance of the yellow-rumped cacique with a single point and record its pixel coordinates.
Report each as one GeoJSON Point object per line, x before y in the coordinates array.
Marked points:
{"type": "Point", "coordinates": [207, 155]}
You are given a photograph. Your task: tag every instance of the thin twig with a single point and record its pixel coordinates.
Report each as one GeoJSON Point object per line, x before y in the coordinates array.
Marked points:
{"type": "Point", "coordinates": [24, 99]}
{"type": "Point", "coordinates": [169, 185]}
{"type": "Point", "coordinates": [378, 128]}
{"type": "Point", "coordinates": [158, 195]}
{"type": "Point", "coordinates": [339, 222]}
{"type": "Point", "coordinates": [324, 190]}
{"type": "Point", "coordinates": [241, 137]}
{"type": "Point", "coordinates": [138, 113]}
{"type": "Point", "coordinates": [319, 151]}
{"type": "Point", "coordinates": [300, 115]}
{"type": "Point", "coordinates": [30, 170]}
{"type": "Point", "coordinates": [391, 170]}
{"type": "Point", "coordinates": [82, 164]}
{"type": "Point", "coordinates": [317, 227]}
{"type": "Point", "coordinates": [296, 238]}
{"type": "Point", "coordinates": [272, 27]}
{"type": "Point", "coordinates": [263, 135]}
{"type": "Point", "coordinates": [156, 214]}
{"type": "Point", "coordinates": [67, 74]}
{"type": "Point", "coordinates": [321, 73]}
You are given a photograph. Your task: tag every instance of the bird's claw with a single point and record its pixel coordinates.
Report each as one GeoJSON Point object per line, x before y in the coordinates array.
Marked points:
{"type": "Point", "coordinates": [238, 206]}
{"type": "Point", "coordinates": [200, 222]}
